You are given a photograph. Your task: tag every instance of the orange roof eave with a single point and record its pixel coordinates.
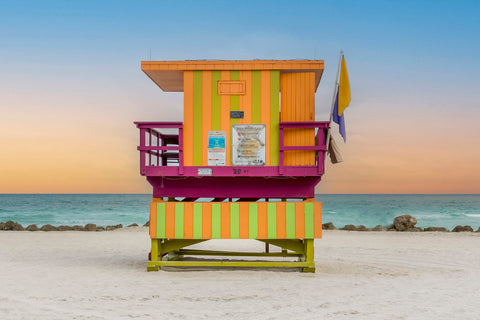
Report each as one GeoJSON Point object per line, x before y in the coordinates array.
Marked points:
{"type": "Point", "coordinates": [168, 75]}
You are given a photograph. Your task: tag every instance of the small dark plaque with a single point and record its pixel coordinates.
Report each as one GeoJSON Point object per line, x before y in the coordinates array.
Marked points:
{"type": "Point", "coordinates": [236, 114]}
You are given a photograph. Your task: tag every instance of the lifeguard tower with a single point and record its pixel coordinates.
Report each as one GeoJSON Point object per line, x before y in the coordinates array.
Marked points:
{"type": "Point", "coordinates": [243, 164]}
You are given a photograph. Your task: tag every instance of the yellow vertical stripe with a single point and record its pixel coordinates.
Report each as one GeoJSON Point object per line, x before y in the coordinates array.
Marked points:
{"type": "Point", "coordinates": [225, 116]}
{"type": "Point", "coordinates": [216, 105]}
{"type": "Point", "coordinates": [265, 109]}
{"type": "Point", "coordinates": [206, 112]}
{"type": "Point", "coordinates": [234, 99]}
{"type": "Point", "coordinates": [197, 118]}
{"type": "Point", "coordinates": [246, 99]}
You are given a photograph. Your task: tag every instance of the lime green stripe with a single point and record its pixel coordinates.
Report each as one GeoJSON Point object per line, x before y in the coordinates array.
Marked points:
{"type": "Point", "coordinates": [252, 221]}
{"type": "Point", "coordinates": [274, 116]}
{"type": "Point", "coordinates": [161, 220]}
{"type": "Point", "coordinates": [216, 106]}
{"type": "Point", "coordinates": [234, 221]}
{"type": "Point", "coordinates": [234, 99]}
{"type": "Point", "coordinates": [290, 221]}
{"type": "Point", "coordinates": [197, 118]}
{"type": "Point", "coordinates": [256, 102]}
{"type": "Point", "coordinates": [272, 220]}
{"type": "Point", "coordinates": [216, 223]}
{"type": "Point", "coordinates": [179, 220]}
{"type": "Point", "coordinates": [197, 221]}
{"type": "Point", "coordinates": [308, 220]}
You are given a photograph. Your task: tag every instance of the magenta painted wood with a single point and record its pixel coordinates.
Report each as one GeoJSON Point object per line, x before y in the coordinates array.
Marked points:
{"type": "Point", "coordinates": [161, 161]}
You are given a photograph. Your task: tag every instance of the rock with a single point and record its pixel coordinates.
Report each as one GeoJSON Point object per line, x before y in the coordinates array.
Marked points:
{"type": "Point", "coordinates": [436, 229]}
{"type": "Point", "coordinates": [12, 226]}
{"type": "Point", "coordinates": [478, 229]}
{"type": "Point", "coordinates": [349, 227]}
{"type": "Point", "coordinates": [362, 228]}
{"type": "Point", "coordinates": [48, 227]}
{"type": "Point", "coordinates": [32, 227]}
{"type": "Point", "coordinates": [100, 228]}
{"type": "Point", "coordinates": [78, 228]}
{"type": "Point", "coordinates": [132, 225]}
{"type": "Point", "coordinates": [379, 228]}
{"type": "Point", "coordinates": [90, 227]}
{"type": "Point", "coordinates": [402, 223]}
{"type": "Point", "coordinates": [2, 225]}
{"type": "Point", "coordinates": [110, 228]}
{"type": "Point", "coordinates": [462, 229]}
{"type": "Point", "coordinates": [147, 224]}
{"type": "Point", "coordinates": [64, 228]}
{"type": "Point", "coordinates": [414, 229]}
{"type": "Point", "coordinates": [328, 226]}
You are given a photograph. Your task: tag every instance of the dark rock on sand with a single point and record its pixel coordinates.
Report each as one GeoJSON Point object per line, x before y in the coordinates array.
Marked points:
{"type": "Point", "coordinates": [405, 222]}
{"type": "Point", "coordinates": [478, 229]}
{"type": "Point", "coordinates": [32, 227]}
{"type": "Point", "coordinates": [110, 228]}
{"type": "Point", "coordinates": [100, 228]}
{"type": "Point", "coordinates": [2, 225]}
{"type": "Point", "coordinates": [147, 224]}
{"type": "Point", "coordinates": [78, 228]}
{"type": "Point", "coordinates": [64, 228]}
{"type": "Point", "coordinates": [132, 225]}
{"type": "Point", "coordinates": [379, 228]}
{"type": "Point", "coordinates": [362, 228]}
{"type": "Point", "coordinates": [414, 229]}
{"type": "Point", "coordinates": [462, 229]}
{"type": "Point", "coordinates": [12, 226]}
{"type": "Point", "coordinates": [90, 227]}
{"type": "Point", "coordinates": [436, 229]}
{"type": "Point", "coordinates": [349, 227]}
{"type": "Point", "coordinates": [48, 227]}
{"type": "Point", "coordinates": [328, 226]}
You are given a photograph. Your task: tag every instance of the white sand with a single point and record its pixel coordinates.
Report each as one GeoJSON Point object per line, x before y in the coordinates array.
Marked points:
{"type": "Point", "coordinates": [360, 275]}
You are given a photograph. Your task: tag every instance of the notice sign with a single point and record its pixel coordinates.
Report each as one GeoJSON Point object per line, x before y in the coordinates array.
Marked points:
{"type": "Point", "coordinates": [248, 144]}
{"type": "Point", "coordinates": [216, 152]}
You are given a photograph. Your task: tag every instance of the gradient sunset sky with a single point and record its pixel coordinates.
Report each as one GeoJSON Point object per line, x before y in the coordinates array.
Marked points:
{"type": "Point", "coordinates": [71, 86]}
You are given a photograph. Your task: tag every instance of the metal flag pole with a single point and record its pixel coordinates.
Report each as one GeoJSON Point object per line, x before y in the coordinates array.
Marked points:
{"type": "Point", "coordinates": [333, 100]}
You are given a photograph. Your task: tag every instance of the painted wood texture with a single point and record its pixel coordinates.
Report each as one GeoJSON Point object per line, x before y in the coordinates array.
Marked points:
{"type": "Point", "coordinates": [235, 220]}
{"type": "Point", "coordinates": [206, 110]}
{"type": "Point", "coordinates": [298, 104]}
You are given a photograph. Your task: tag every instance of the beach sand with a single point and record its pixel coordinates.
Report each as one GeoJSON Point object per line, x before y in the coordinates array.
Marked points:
{"type": "Point", "coordinates": [360, 275]}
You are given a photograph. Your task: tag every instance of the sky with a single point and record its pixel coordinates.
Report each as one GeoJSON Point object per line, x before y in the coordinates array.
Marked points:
{"type": "Point", "coordinates": [71, 86]}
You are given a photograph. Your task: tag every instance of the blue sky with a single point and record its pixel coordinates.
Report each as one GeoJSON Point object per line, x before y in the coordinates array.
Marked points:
{"type": "Point", "coordinates": [412, 65]}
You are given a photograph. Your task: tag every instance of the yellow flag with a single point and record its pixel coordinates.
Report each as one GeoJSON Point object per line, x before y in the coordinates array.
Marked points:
{"type": "Point", "coordinates": [343, 89]}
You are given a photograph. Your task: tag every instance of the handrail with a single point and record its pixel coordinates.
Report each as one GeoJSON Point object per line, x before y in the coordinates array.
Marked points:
{"type": "Point", "coordinates": [319, 141]}
{"type": "Point", "coordinates": [153, 149]}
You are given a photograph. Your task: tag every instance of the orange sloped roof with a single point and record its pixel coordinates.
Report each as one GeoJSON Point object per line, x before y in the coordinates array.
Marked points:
{"type": "Point", "coordinates": [168, 75]}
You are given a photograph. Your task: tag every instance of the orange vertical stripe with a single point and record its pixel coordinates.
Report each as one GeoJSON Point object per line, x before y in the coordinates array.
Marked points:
{"type": "Point", "coordinates": [265, 105]}
{"type": "Point", "coordinates": [299, 220]}
{"type": "Point", "coordinates": [281, 220]}
{"type": "Point", "coordinates": [170, 220]}
{"type": "Point", "coordinates": [317, 220]}
{"type": "Point", "coordinates": [225, 221]}
{"type": "Point", "coordinates": [206, 111]}
{"type": "Point", "coordinates": [207, 220]}
{"type": "Point", "coordinates": [244, 234]}
{"type": "Point", "coordinates": [262, 220]}
{"type": "Point", "coordinates": [153, 220]}
{"type": "Point", "coordinates": [225, 116]}
{"type": "Point", "coordinates": [188, 220]}
{"type": "Point", "coordinates": [246, 99]}
{"type": "Point", "coordinates": [188, 118]}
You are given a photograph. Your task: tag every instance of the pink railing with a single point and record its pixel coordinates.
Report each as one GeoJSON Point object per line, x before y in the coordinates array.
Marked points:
{"type": "Point", "coordinates": [322, 126]}
{"type": "Point", "coordinates": [158, 148]}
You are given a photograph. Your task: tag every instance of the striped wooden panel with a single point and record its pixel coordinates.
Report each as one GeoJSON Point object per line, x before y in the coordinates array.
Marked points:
{"type": "Point", "coordinates": [205, 110]}
{"type": "Point", "coordinates": [236, 220]}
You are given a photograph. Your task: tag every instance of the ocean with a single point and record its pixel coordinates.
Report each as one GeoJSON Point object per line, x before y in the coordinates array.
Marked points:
{"type": "Point", "coordinates": [341, 209]}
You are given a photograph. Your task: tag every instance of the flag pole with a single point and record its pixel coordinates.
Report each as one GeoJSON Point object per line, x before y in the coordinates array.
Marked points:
{"type": "Point", "coordinates": [333, 100]}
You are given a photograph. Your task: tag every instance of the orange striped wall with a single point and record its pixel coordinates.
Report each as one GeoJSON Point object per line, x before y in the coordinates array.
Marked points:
{"type": "Point", "coordinates": [235, 220]}
{"type": "Point", "coordinates": [205, 110]}
{"type": "Point", "coordinates": [298, 104]}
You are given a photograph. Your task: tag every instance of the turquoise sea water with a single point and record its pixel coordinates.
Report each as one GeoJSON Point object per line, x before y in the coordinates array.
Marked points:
{"type": "Point", "coordinates": [369, 210]}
